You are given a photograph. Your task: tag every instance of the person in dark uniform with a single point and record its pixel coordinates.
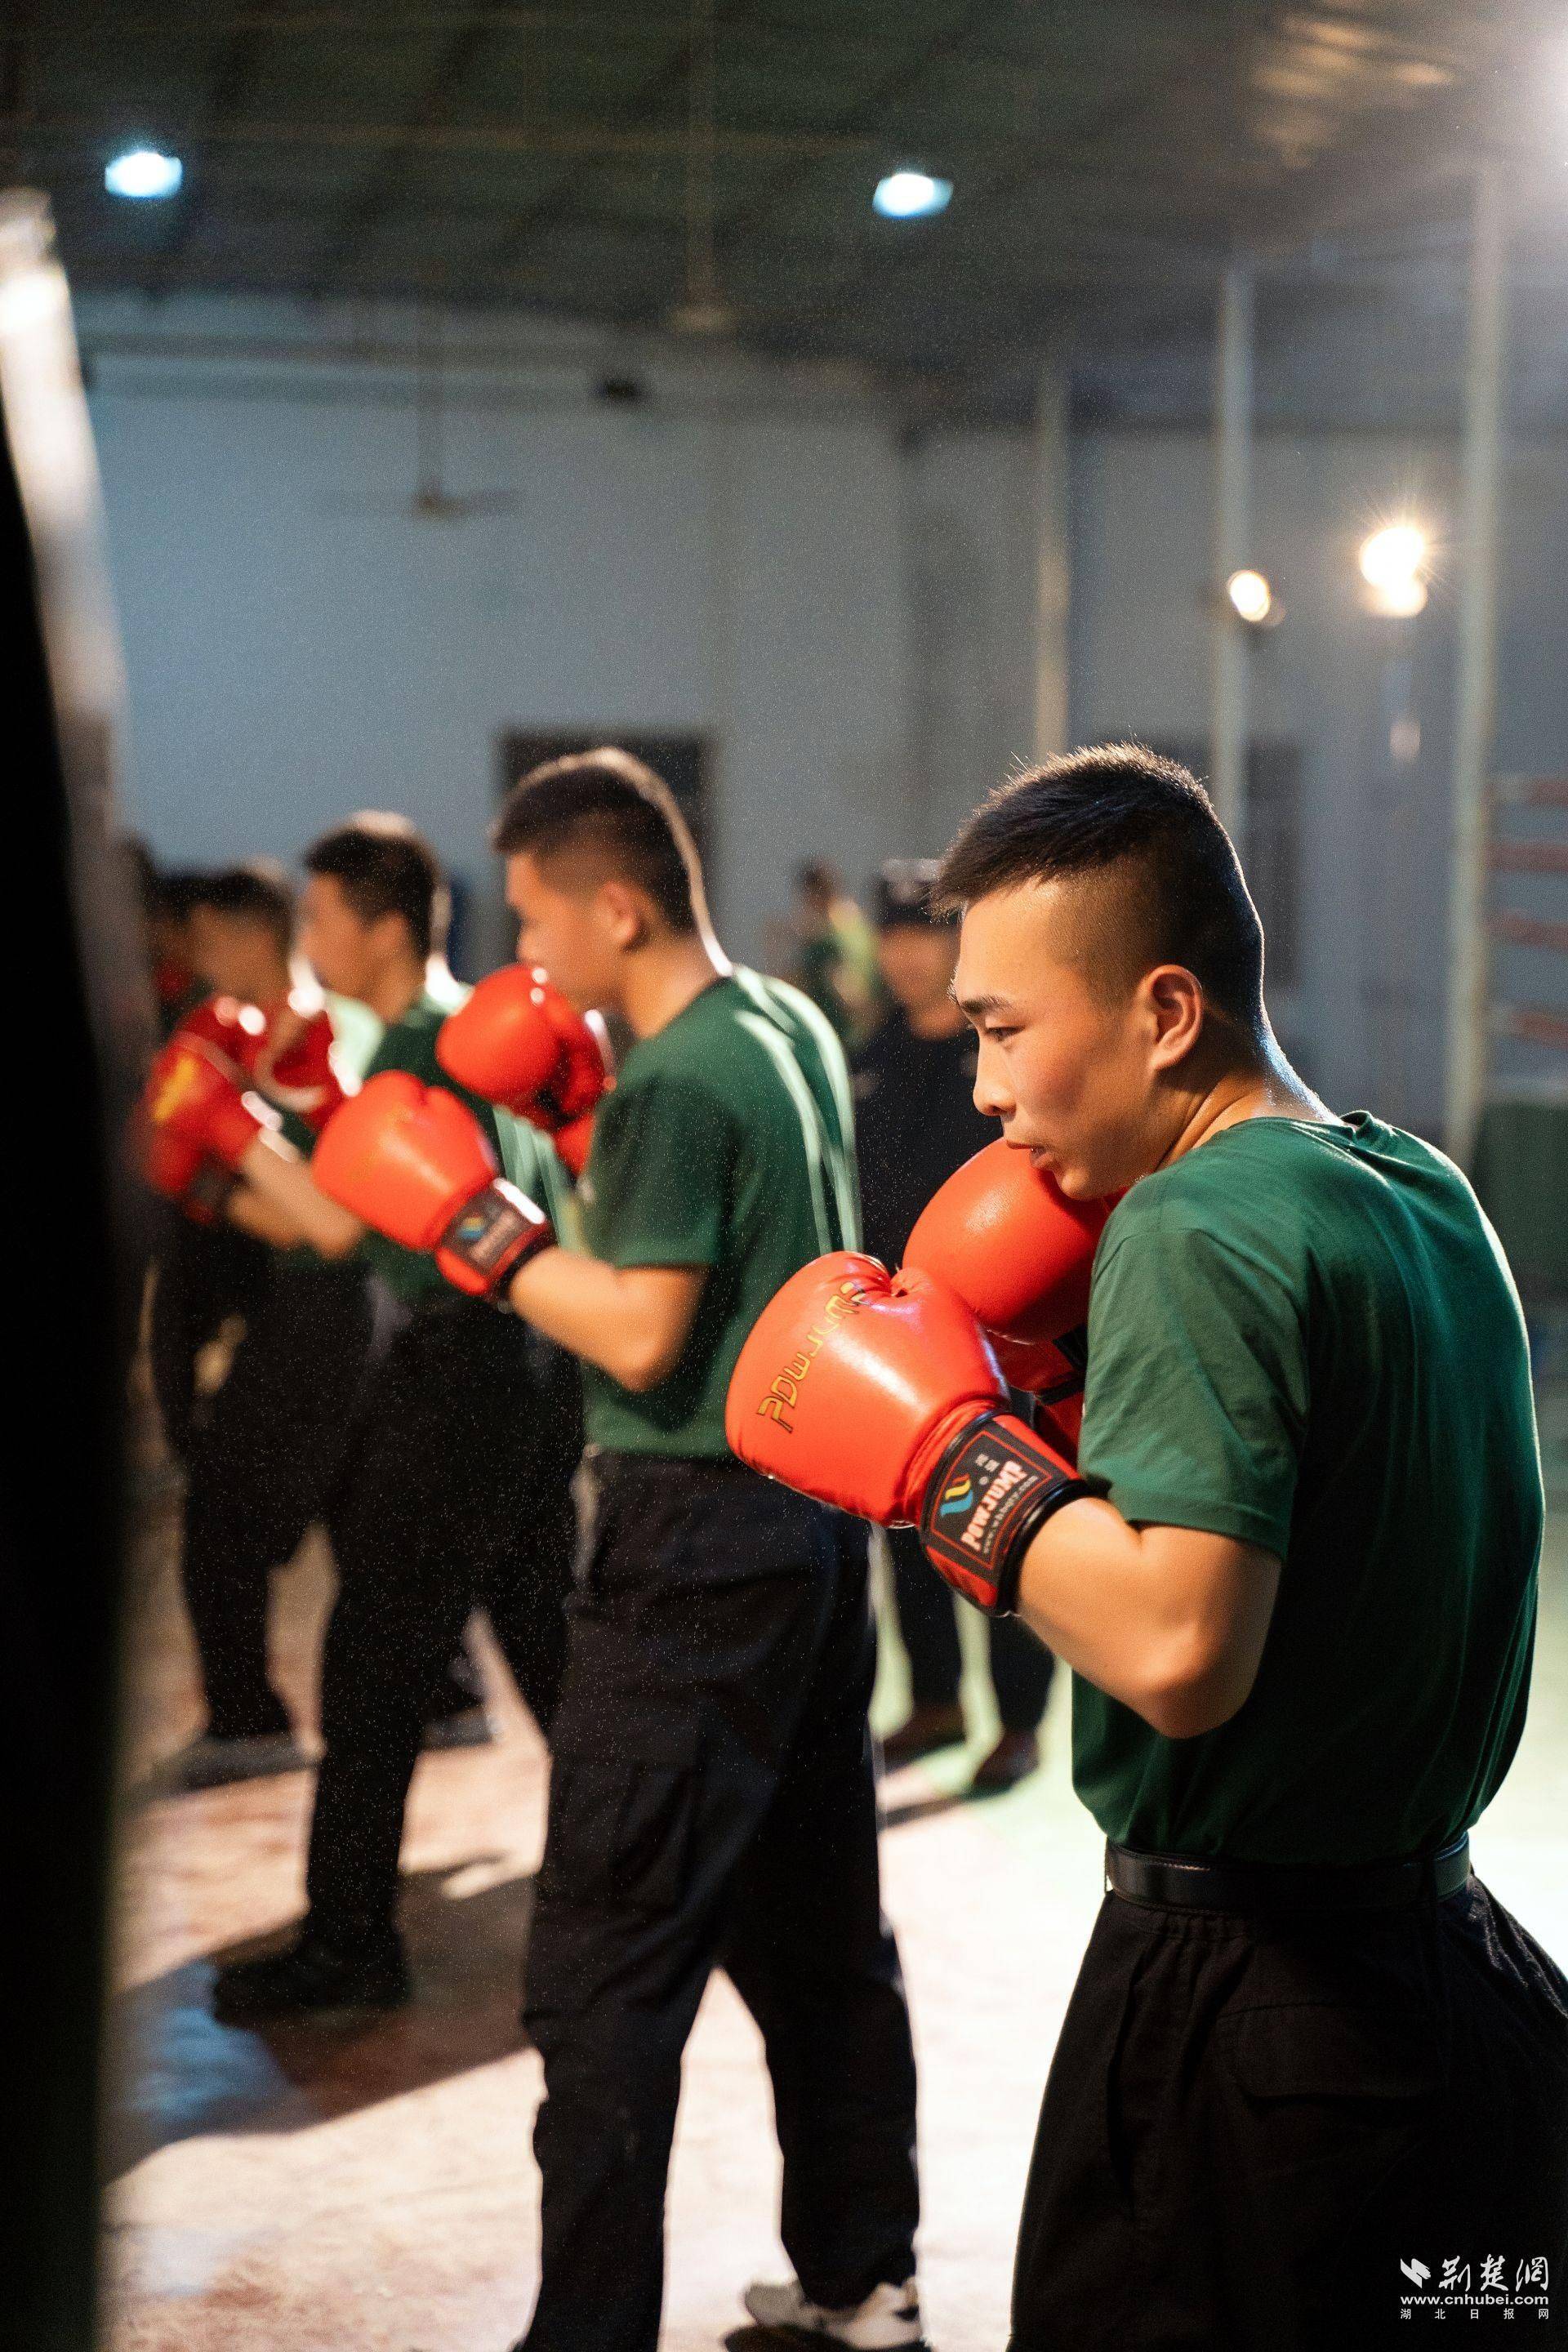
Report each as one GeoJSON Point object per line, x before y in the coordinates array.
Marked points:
{"type": "Point", "coordinates": [711, 1800]}
{"type": "Point", "coordinates": [263, 1456]}
{"type": "Point", "coordinates": [915, 1122]}
{"type": "Point", "coordinates": [208, 1271]}
{"type": "Point", "coordinates": [455, 1487]}
{"type": "Point", "coordinates": [1312, 2071]}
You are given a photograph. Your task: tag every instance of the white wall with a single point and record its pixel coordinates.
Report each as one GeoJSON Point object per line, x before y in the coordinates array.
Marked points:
{"type": "Point", "coordinates": [1368, 1015]}
{"type": "Point", "coordinates": [762, 556]}
{"type": "Point", "coordinates": [299, 647]}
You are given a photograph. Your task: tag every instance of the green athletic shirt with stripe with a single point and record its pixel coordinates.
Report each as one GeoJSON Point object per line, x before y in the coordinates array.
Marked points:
{"type": "Point", "coordinates": [726, 1143]}
{"type": "Point", "coordinates": [528, 1157]}
{"type": "Point", "coordinates": [1306, 1337]}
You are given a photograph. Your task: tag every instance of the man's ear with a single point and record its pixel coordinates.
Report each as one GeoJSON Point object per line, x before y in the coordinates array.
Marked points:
{"type": "Point", "coordinates": [1175, 1004]}
{"type": "Point", "coordinates": [390, 935]}
{"type": "Point", "coordinates": [623, 912]}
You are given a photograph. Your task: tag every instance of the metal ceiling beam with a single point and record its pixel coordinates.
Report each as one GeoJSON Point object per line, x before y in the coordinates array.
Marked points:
{"type": "Point", "coordinates": [236, 65]}
{"type": "Point", "coordinates": [905, 76]}
{"type": "Point", "coordinates": [73, 131]}
{"type": "Point", "coordinates": [566, 138]}
{"type": "Point", "coordinates": [673, 73]}
{"type": "Point", "coordinates": [645, 28]}
{"type": "Point", "coordinates": [1121, 113]}
{"type": "Point", "coordinates": [453, 63]}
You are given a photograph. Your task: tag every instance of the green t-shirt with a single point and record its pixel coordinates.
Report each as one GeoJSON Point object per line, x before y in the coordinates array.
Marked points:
{"type": "Point", "coordinates": [1306, 1337]}
{"type": "Point", "coordinates": [726, 1143]}
{"type": "Point", "coordinates": [528, 1157]}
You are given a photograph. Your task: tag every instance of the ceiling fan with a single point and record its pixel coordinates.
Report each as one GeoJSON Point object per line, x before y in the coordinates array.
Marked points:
{"type": "Point", "coordinates": [432, 501]}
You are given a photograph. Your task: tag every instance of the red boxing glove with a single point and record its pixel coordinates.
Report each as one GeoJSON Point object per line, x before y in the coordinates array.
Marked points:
{"type": "Point", "coordinates": [518, 1043]}
{"type": "Point", "coordinates": [413, 1161]}
{"type": "Point", "coordinates": [235, 1029]}
{"type": "Point", "coordinates": [183, 1172]}
{"type": "Point", "coordinates": [1007, 1239]}
{"type": "Point", "coordinates": [294, 1067]}
{"type": "Point", "coordinates": [878, 1393]}
{"type": "Point", "coordinates": [1019, 1253]}
{"type": "Point", "coordinates": [194, 1095]}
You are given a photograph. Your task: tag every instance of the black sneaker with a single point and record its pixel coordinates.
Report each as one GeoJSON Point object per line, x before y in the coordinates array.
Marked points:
{"type": "Point", "coordinates": [309, 1977]}
{"type": "Point", "coordinates": [929, 1726]}
{"type": "Point", "coordinates": [1016, 1755]}
{"type": "Point", "coordinates": [209, 1761]}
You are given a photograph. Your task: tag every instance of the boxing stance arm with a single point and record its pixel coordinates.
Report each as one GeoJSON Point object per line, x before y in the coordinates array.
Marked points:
{"type": "Point", "coordinates": [878, 1393]}
{"type": "Point", "coordinates": [246, 1208]}
{"type": "Point", "coordinates": [1170, 1620]}
{"type": "Point", "coordinates": [282, 1183]}
{"type": "Point", "coordinates": [631, 1321]}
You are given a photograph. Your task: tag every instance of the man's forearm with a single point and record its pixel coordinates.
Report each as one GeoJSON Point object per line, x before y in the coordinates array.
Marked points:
{"type": "Point", "coordinates": [1168, 1620]}
{"type": "Point", "coordinates": [263, 1220]}
{"type": "Point", "coordinates": [630, 1322]}
{"type": "Point", "coordinates": [282, 1179]}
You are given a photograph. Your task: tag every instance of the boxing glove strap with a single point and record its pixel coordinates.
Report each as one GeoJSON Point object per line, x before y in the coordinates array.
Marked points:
{"type": "Point", "coordinates": [491, 1236]}
{"type": "Point", "coordinates": [209, 1192]}
{"type": "Point", "coordinates": [995, 1488]}
{"type": "Point", "coordinates": [1074, 1346]}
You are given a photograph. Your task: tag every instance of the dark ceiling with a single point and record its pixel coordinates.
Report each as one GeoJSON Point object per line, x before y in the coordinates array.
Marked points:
{"type": "Point", "coordinates": [611, 162]}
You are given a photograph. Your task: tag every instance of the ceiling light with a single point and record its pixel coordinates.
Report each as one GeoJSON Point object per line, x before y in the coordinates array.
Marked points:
{"type": "Point", "coordinates": [1391, 558]}
{"type": "Point", "coordinates": [910, 196]}
{"type": "Point", "coordinates": [1252, 596]}
{"type": "Point", "coordinates": [1401, 600]}
{"type": "Point", "coordinates": [1393, 561]}
{"type": "Point", "coordinates": [143, 172]}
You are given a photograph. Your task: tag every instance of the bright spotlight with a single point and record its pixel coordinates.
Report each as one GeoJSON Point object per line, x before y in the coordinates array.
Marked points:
{"type": "Point", "coordinates": [1401, 599]}
{"type": "Point", "coordinates": [910, 196]}
{"type": "Point", "coordinates": [143, 172]}
{"type": "Point", "coordinates": [1393, 557]}
{"type": "Point", "coordinates": [1252, 596]}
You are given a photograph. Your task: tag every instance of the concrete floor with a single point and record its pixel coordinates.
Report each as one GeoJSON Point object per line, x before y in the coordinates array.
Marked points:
{"type": "Point", "coordinates": [372, 2189]}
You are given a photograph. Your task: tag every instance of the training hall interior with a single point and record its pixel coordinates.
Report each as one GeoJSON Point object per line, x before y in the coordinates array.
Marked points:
{"type": "Point", "coordinates": [840, 409]}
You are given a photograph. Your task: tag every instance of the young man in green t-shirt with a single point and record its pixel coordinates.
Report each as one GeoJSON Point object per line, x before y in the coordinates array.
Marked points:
{"type": "Point", "coordinates": [1309, 2058]}
{"type": "Point", "coordinates": [712, 1802]}
{"type": "Point", "coordinates": [454, 1490]}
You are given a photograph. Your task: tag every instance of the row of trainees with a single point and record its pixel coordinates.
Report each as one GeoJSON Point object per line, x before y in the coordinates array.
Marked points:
{"type": "Point", "coordinates": [263, 1452]}
{"type": "Point", "coordinates": [711, 1798]}
{"type": "Point", "coordinates": [1286, 1536]}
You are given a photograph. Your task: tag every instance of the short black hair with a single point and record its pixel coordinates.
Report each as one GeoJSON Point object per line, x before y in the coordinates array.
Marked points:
{"type": "Point", "coordinates": [903, 897]}
{"type": "Point", "coordinates": [1118, 805]}
{"type": "Point", "coordinates": [614, 806]}
{"type": "Point", "coordinates": [180, 890]}
{"type": "Point", "coordinates": [384, 867]}
{"type": "Point", "coordinates": [255, 893]}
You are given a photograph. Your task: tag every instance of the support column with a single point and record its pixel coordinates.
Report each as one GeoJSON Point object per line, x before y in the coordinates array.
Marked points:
{"type": "Point", "coordinates": [1232, 545]}
{"type": "Point", "coordinates": [1053, 563]}
{"type": "Point", "coordinates": [1475, 696]}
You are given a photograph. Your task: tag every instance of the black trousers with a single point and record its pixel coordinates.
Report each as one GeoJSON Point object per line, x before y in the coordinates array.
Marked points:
{"type": "Point", "coordinates": [1020, 1666]}
{"type": "Point", "coordinates": [206, 1273]}
{"type": "Point", "coordinates": [262, 1464]}
{"type": "Point", "coordinates": [1248, 2127]}
{"type": "Point", "coordinates": [713, 1804]}
{"type": "Point", "coordinates": [455, 1493]}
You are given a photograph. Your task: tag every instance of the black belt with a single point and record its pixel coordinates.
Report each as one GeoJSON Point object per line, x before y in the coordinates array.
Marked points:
{"type": "Point", "coordinates": [1170, 1879]}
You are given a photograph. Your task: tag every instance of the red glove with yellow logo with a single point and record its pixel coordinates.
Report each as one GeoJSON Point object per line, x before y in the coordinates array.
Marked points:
{"type": "Point", "coordinates": [878, 1393]}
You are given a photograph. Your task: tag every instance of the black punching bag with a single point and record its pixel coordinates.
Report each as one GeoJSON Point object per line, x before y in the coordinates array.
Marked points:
{"type": "Point", "coordinates": [76, 1010]}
